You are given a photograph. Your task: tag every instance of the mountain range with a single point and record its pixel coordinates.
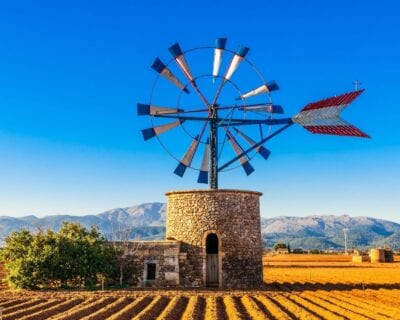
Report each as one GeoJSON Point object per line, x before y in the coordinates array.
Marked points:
{"type": "Point", "coordinates": [147, 222]}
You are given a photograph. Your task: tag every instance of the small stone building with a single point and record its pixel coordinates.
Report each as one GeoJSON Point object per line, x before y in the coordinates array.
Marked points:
{"type": "Point", "coordinates": [381, 255]}
{"type": "Point", "coordinates": [282, 251]}
{"type": "Point", "coordinates": [213, 239]}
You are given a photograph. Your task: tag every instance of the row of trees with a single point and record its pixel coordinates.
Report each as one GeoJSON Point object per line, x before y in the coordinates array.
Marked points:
{"type": "Point", "coordinates": [71, 257]}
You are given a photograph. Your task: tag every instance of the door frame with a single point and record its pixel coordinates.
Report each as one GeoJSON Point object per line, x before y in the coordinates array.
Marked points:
{"type": "Point", "coordinates": [220, 257]}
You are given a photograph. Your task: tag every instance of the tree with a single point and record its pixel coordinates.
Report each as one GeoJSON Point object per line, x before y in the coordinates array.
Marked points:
{"type": "Point", "coordinates": [280, 245]}
{"type": "Point", "coordinates": [120, 241]}
{"type": "Point", "coordinates": [74, 256]}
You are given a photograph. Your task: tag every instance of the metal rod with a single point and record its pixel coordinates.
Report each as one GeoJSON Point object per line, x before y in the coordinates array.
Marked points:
{"type": "Point", "coordinates": [271, 122]}
{"type": "Point", "coordinates": [226, 123]}
{"type": "Point", "coordinates": [218, 108]}
{"type": "Point", "coordinates": [255, 146]}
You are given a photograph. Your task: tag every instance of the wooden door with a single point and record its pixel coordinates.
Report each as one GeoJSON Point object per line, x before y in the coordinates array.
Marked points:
{"type": "Point", "coordinates": [212, 269]}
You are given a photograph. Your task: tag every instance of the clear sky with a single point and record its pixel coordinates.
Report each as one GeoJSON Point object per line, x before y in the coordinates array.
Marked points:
{"type": "Point", "coordinates": [71, 73]}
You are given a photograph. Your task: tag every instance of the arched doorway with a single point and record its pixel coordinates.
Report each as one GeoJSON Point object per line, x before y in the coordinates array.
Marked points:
{"type": "Point", "coordinates": [212, 260]}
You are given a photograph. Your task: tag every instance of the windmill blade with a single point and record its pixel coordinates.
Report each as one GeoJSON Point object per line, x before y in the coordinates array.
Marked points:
{"type": "Point", "coordinates": [177, 53]}
{"type": "Point", "coordinates": [218, 51]}
{"type": "Point", "coordinates": [323, 117]}
{"type": "Point", "coordinates": [163, 70]}
{"type": "Point", "coordinates": [156, 131]}
{"type": "Point", "coordinates": [187, 158]}
{"type": "Point", "coordinates": [265, 153]}
{"type": "Point", "coordinates": [239, 150]}
{"type": "Point", "coordinates": [235, 62]}
{"type": "Point", "coordinates": [265, 88]}
{"type": "Point", "coordinates": [263, 107]}
{"type": "Point", "coordinates": [203, 175]}
{"type": "Point", "coordinates": [147, 109]}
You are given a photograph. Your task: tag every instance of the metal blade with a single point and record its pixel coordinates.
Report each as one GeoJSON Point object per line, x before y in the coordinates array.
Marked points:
{"type": "Point", "coordinates": [263, 107]}
{"type": "Point", "coordinates": [218, 51]}
{"type": "Point", "coordinates": [162, 69]}
{"type": "Point", "coordinates": [203, 174]}
{"type": "Point", "coordinates": [177, 53]}
{"type": "Point", "coordinates": [156, 131]}
{"type": "Point", "coordinates": [235, 62]}
{"type": "Point", "coordinates": [265, 153]}
{"type": "Point", "coordinates": [239, 150]}
{"type": "Point", "coordinates": [187, 158]}
{"type": "Point", "coordinates": [323, 117]}
{"type": "Point", "coordinates": [265, 88]}
{"type": "Point", "coordinates": [147, 109]}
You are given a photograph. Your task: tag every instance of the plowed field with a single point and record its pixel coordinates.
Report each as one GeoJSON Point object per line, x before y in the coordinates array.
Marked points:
{"type": "Point", "coordinates": [297, 287]}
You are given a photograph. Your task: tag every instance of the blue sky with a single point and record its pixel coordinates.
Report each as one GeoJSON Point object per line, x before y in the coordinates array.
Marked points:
{"type": "Point", "coordinates": [71, 73]}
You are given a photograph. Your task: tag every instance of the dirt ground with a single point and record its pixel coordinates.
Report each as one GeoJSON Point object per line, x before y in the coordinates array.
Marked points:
{"type": "Point", "coordinates": [296, 287]}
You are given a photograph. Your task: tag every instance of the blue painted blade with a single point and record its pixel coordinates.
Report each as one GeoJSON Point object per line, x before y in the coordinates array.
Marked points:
{"type": "Point", "coordinates": [180, 169]}
{"type": "Point", "coordinates": [162, 69]}
{"type": "Point", "coordinates": [248, 168]}
{"type": "Point", "coordinates": [148, 133]}
{"type": "Point", "coordinates": [265, 153]}
{"type": "Point", "coordinates": [261, 150]}
{"type": "Point", "coordinates": [277, 109]}
{"type": "Point", "coordinates": [152, 132]}
{"type": "Point", "coordinates": [203, 177]}
{"type": "Point", "coordinates": [146, 109]}
{"type": "Point", "coordinates": [158, 65]}
{"type": "Point", "coordinates": [143, 109]}
{"type": "Point", "coordinates": [272, 86]}
{"type": "Point", "coordinates": [221, 42]}
{"type": "Point", "coordinates": [242, 51]}
{"type": "Point", "coordinates": [175, 50]}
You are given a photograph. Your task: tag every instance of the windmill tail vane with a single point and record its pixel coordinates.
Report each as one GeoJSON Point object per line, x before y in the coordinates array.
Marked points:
{"type": "Point", "coordinates": [244, 123]}
{"type": "Point", "coordinates": [323, 117]}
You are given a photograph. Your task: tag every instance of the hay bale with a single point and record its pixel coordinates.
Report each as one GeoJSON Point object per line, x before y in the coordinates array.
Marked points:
{"type": "Point", "coordinates": [361, 258]}
{"type": "Point", "coordinates": [377, 255]}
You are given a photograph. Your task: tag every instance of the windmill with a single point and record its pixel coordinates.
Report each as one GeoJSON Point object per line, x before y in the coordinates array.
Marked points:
{"type": "Point", "coordinates": [230, 104]}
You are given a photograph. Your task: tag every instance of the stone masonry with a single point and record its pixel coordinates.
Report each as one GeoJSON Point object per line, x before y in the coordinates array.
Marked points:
{"type": "Point", "coordinates": [163, 255]}
{"type": "Point", "coordinates": [234, 216]}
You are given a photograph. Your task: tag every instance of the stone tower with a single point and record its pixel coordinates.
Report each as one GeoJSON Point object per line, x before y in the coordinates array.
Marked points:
{"type": "Point", "coordinates": [220, 237]}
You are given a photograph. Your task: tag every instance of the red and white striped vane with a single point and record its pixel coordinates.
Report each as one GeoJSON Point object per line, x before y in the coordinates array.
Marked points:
{"type": "Point", "coordinates": [323, 117]}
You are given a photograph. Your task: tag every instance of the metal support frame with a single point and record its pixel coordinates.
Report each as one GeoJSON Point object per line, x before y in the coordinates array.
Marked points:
{"type": "Point", "coordinates": [213, 148]}
{"type": "Point", "coordinates": [255, 146]}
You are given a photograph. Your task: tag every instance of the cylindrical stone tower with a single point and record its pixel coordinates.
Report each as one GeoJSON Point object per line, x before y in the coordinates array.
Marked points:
{"type": "Point", "coordinates": [220, 236]}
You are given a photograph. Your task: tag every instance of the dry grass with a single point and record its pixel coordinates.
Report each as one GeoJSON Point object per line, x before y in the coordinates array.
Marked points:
{"type": "Point", "coordinates": [297, 287]}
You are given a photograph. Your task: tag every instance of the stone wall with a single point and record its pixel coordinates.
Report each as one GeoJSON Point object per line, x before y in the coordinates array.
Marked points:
{"type": "Point", "coordinates": [234, 216]}
{"type": "Point", "coordinates": [164, 254]}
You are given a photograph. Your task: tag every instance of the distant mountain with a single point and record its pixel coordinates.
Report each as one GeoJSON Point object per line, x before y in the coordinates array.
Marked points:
{"type": "Point", "coordinates": [326, 232]}
{"type": "Point", "coordinates": [147, 221]}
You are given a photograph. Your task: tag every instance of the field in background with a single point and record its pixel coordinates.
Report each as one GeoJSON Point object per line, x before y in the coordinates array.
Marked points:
{"type": "Point", "coordinates": [297, 287]}
{"type": "Point", "coordinates": [330, 271]}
